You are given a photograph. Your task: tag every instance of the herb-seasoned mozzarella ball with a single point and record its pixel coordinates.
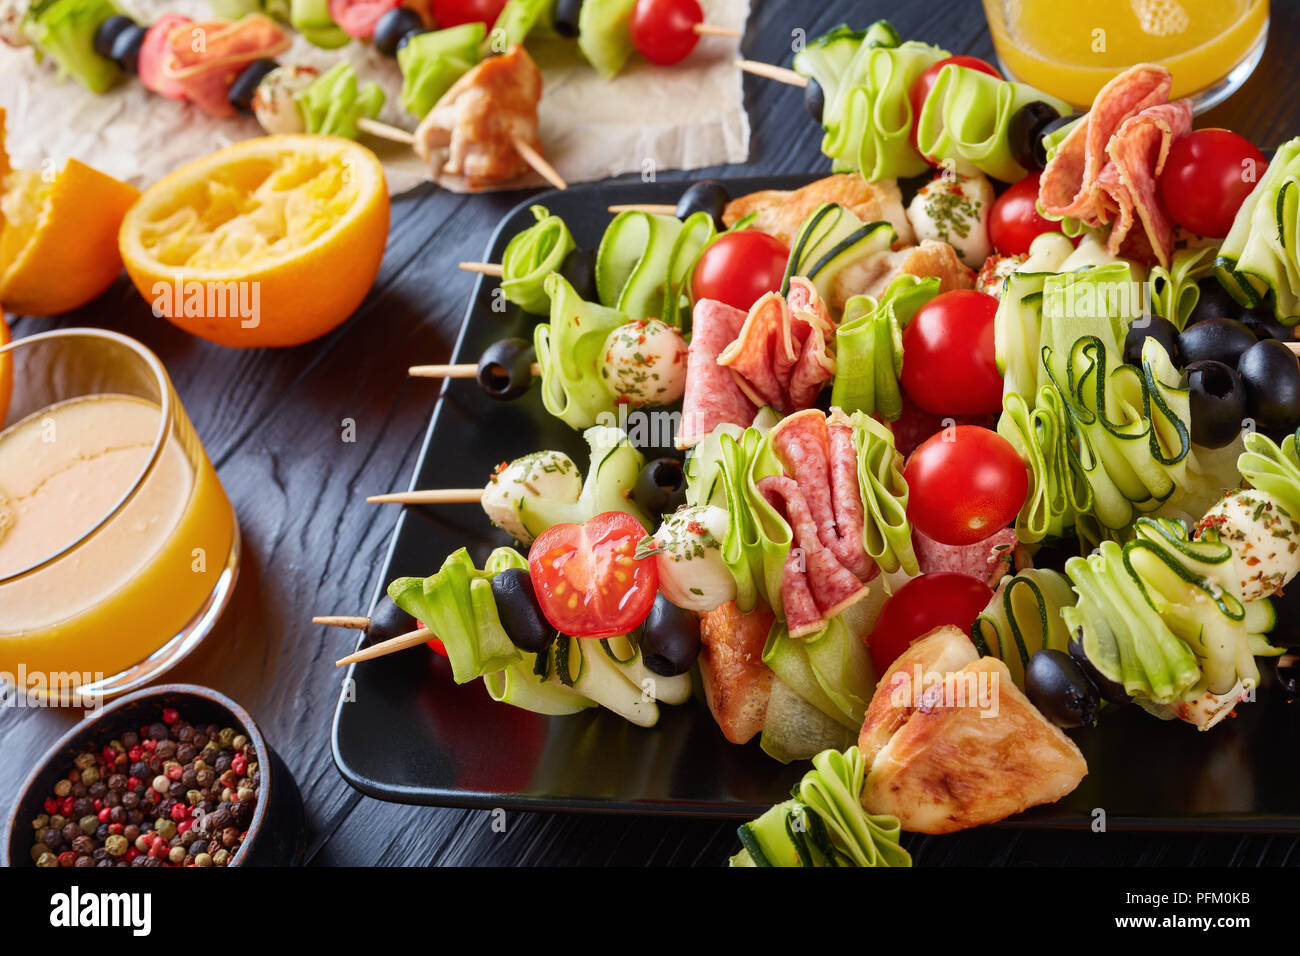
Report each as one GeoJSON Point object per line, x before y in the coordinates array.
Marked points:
{"type": "Point", "coordinates": [993, 275]}
{"type": "Point", "coordinates": [549, 475]}
{"type": "Point", "coordinates": [1264, 539]}
{"type": "Point", "coordinates": [1046, 253]}
{"type": "Point", "coordinates": [955, 208]}
{"type": "Point", "coordinates": [11, 22]}
{"type": "Point", "coordinates": [273, 103]}
{"type": "Point", "coordinates": [692, 573]}
{"type": "Point", "coordinates": [644, 363]}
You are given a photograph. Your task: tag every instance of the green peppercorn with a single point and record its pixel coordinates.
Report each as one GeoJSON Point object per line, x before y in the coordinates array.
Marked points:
{"type": "Point", "coordinates": [38, 850]}
{"type": "Point", "coordinates": [226, 737]}
{"type": "Point", "coordinates": [176, 854]}
{"type": "Point", "coordinates": [239, 743]}
{"type": "Point", "coordinates": [41, 822]}
{"type": "Point", "coordinates": [116, 845]}
{"type": "Point", "coordinates": [57, 821]}
{"type": "Point", "coordinates": [201, 860]}
{"type": "Point", "coordinates": [89, 776]}
{"type": "Point", "coordinates": [165, 828]}
{"type": "Point", "coordinates": [89, 824]}
{"type": "Point", "coordinates": [221, 857]}
{"type": "Point", "coordinates": [63, 788]}
{"type": "Point", "coordinates": [193, 797]}
{"type": "Point", "coordinates": [246, 793]}
{"type": "Point", "coordinates": [84, 760]}
{"type": "Point", "coordinates": [47, 859]}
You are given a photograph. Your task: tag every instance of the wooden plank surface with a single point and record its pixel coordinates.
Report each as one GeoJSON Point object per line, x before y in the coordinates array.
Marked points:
{"type": "Point", "coordinates": [272, 422]}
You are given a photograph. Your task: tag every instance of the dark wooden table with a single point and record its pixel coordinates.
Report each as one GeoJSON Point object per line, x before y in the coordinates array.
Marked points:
{"type": "Point", "coordinates": [272, 423]}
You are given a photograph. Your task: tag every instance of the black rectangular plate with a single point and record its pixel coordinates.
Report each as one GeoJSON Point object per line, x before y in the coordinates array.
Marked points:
{"type": "Point", "coordinates": [410, 735]}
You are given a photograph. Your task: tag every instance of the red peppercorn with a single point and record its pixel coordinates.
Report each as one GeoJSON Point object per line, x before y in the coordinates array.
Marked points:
{"type": "Point", "coordinates": [109, 754]}
{"type": "Point", "coordinates": [98, 803]}
{"type": "Point", "coordinates": [180, 812]}
{"type": "Point", "coordinates": [132, 782]}
{"type": "Point", "coordinates": [131, 853]}
{"type": "Point", "coordinates": [51, 806]}
{"type": "Point", "coordinates": [174, 772]}
{"type": "Point", "coordinates": [103, 815]}
{"type": "Point", "coordinates": [184, 825]}
{"type": "Point", "coordinates": [169, 716]}
{"type": "Point", "coordinates": [136, 753]}
{"type": "Point", "coordinates": [65, 807]}
{"type": "Point", "coordinates": [67, 858]}
{"type": "Point", "coordinates": [239, 763]}
{"type": "Point", "coordinates": [115, 828]}
{"type": "Point", "coordinates": [151, 745]}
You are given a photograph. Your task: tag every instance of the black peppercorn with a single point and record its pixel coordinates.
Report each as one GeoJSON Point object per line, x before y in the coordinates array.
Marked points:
{"type": "Point", "coordinates": [130, 739]}
{"type": "Point", "coordinates": [140, 769]}
{"type": "Point", "coordinates": [83, 806]}
{"type": "Point", "coordinates": [83, 845]}
{"type": "Point", "coordinates": [98, 789]}
{"type": "Point", "coordinates": [130, 800]}
{"type": "Point", "coordinates": [158, 731]}
{"type": "Point", "coordinates": [70, 832]}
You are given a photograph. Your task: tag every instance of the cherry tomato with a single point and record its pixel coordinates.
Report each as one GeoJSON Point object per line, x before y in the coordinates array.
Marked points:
{"type": "Point", "coordinates": [452, 13]}
{"type": "Point", "coordinates": [739, 268]}
{"type": "Point", "coordinates": [1207, 177]}
{"type": "Point", "coordinates": [1014, 221]}
{"type": "Point", "coordinates": [588, 580]}
{"type": "Point", "coordinates": [919, 606]}
{"type": "Point", "coordinates": [358, 17]}
{"type": "Point", "coordinates": [149, 62]}
{"type": "Point", "coordinates": [435, 643]}
{"type": "Point", "coordinates": [924, 83]}
{"type": "Point", "coordinates": [964, 484]}
{"type": "Point", "coordinates": [663, 31]}
{"type": "Point", "coordinates": [949, 363]}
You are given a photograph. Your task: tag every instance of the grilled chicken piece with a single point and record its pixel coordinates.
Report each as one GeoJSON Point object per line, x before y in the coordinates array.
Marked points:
{"type": "Point", "coordinates": [476, 122]}
{"type": "Point", "coordinates": [737, 683]}
{"type": "Point", "coordinates": [781, 212]}
{"type": "Point", "coordinates": [872, 275]}
{"type": "Point", "coordinates": [956, 763]}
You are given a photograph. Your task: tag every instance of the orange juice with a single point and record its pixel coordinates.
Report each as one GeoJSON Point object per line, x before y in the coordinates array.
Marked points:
{"type": "Point", "coordinates": [139, 572]}
{"type": "Point", "coordinates": [1071, 51]}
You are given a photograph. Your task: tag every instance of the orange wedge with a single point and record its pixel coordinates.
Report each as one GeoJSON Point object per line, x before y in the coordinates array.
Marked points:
{"type": "Point", "coordinates": [6, 371]}
{"type": "Point", "coordinates": [272, 241]}
{"type": "Point", "coordinates": [58, 245]}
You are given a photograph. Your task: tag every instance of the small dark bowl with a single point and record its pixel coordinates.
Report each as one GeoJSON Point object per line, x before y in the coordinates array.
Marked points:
{"type": "Point", "coordinates": [277, 834]}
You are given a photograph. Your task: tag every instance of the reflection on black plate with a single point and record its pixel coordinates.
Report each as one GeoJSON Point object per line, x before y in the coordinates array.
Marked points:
{"type": "Point", "coordinates": [410, 735]}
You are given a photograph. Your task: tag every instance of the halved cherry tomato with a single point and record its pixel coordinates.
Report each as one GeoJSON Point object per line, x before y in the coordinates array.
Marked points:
{"type": "Point", "coordinates": [435, 643]}
{"type": "Point", "coordinates": [1207, 177]}
{"type": "Point", "coordinates": [588, 579]}
{"type": "Point", "coordinates": [358, 17]}
{"type": "Point", "coordinates": [1014, 221]}
{"type": "Point", "coordinates": [153, 51]}
{"type": "Point", "coordinates": [452, 13]}
{"type": "Point", "coordinates": [663, 31]}
{"type": "Point", "coordinates": [924, 83]}
{"type": "Point", "coordinates": [739, 267]}
{"type": "Point", "coordinates": [964, 484]}
{"type": "Point", "coordinates": [919, 606]}
{"type": "Point", "coordinates": [949, 363]}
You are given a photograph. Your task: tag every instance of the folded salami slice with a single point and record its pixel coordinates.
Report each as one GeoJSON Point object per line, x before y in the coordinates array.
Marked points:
{"type": "Point", "coordinates": [712, 396]}
{"type": "Point", "coordinates": [810, 566]}
{"type": "Point", "coordinates": [987, 560]}
{"type": "Point", "coordinates": [206, 70]}
{"type": "Point", "coordinates": [781, 356]}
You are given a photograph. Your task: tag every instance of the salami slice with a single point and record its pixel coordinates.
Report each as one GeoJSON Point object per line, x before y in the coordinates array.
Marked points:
{"type": "Point", "coordinates": [809, 563]}
{"type": "Point", "coordinates": [712, 396]}
{"type": "Point", "coordinates": [987, 560]}
{"type": "Point", "coordinates": [206, 71]}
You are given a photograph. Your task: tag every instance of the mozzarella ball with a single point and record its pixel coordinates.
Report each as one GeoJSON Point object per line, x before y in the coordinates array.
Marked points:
{"type": "Point", "coordinates": [1264, 539]}
{"type": "Point", "coordinates": [955, 209]}
{"type": "Point", "coordinates": [273, 103]}
{"type": "Point", "coordinates": [993, 275]}
{"type": "Point", "coordinates": [1046, 253]}
{"type": "Point", "coordinates": [692, 573]}
{"type": "Point", "coordinates": [644, 363]}
{"type": "Point", "coordinates": [549, 475]}
{"type": "Point", "coordinates": [11, 22]}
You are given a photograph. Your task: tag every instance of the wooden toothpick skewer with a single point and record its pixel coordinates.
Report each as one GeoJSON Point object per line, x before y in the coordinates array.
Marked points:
{"type": "Point", "coordinates": [709, 30]}
{"type": "Point", "coordinates": [658, 209]}
{"type": "Point", "coordinates": [1294, 347]}
{"type": "Point", "coordinates": [778, 73]}
{"type": "Point", "coordinates": [436, 496]}
{"type": "Point", "coordinates": [484, 268]}
{"type": "Point", "coordinates": [393, 644]}
{"type": "Point", "coordinates": [343, 620]}
{"type": "Point", "coordinates": [531, 156]}
{"type": "Point", "coordinates": [452, 371]}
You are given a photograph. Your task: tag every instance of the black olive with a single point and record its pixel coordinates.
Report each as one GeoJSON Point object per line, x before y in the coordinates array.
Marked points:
{"type": "Point", "coordinates": [1217, 403]}
{"type": "Point", "coordinates": [670, 638]}
{"type": "Point", "coordinates": [1287, 668]}
{"type": "Point", "coordinates": [1286, 610]}
{"type": "Point", "coordinates": [565, 18]}
{"type": "Point", "coordinates": [520, 614]}
{"type": "Point", "coordinates": [1054, 552]}
{"type": "Point", "coordinates": [107, 32]}
{"type": "Point", "coordinates": [1154, 327]}
{"type": "Point", "coordinates": [814, 99]}
{"type": "Point", "coordinates": [126, 46]}
{"type": "Point", "coordinates": [1059, 687]}
{"type": "Point", "coordinates": [506, 369]}
{"type": "Point", "coordinates": [579, 270]}
{"type": "Point", "coordinates": [1220, 339]}
{"type": "Point", "coordinates": [388, 621]}
{"type": "Point", "coordinates": [405, 38]}
{"type": "Point", "coordinates": [1110, 690]}
{"type": "Point", "coordinates": [705, 196]}
{"type": "Point", "coordinates": [1271, 374]}
{"type": "Point", "coordinates": [245, 85]}
{"type": "Point", "coordinates": [392, 26]}
{"type": "Point", "coordinates": [1025, 133]}
{"type": "Point", "coordinates": [1053, 125]}
{"type": "Point", "coordinates": [660, 489]}
{"type": "Point", "coordinates": [1214, 303]}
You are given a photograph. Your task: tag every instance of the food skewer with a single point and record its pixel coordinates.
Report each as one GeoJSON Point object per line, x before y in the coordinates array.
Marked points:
{"type": "Point", "coordinates": [494, 269]}
{"type": "Point", "coordinates": [383, 648]}
{"type": "Point", "coordinates": [772, 72]}
{"type": "Point", "coordinates": [437, 496]}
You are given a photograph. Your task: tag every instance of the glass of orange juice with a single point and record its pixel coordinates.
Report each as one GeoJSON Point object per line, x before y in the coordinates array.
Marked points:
{"type": "Point", "coordinates": [1071, 51]}
{"type": "Point", "coordinates": [118, 546]}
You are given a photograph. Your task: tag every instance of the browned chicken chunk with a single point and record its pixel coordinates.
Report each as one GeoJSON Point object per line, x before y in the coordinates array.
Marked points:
{"type": "Point", "coordinates": [781, 212]}
{"type": "Point", "coordinates": [472, 130]}
{"type": "Point", "coordinates": [737, 683]}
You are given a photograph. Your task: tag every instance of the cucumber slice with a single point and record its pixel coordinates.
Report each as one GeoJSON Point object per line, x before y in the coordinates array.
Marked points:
{"type": "Point", "coordinates": [603, 36]}
{"type": "Point", "coordinates": [632, 263]}
{"type": "Point", "coordinates": [595, 676]}
{"type": "Point", "coordinates": [830, 239]}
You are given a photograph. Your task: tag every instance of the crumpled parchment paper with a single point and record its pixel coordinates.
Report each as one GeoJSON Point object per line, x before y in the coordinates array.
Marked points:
{"type": "Point", "coordinates": [645, 119]}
